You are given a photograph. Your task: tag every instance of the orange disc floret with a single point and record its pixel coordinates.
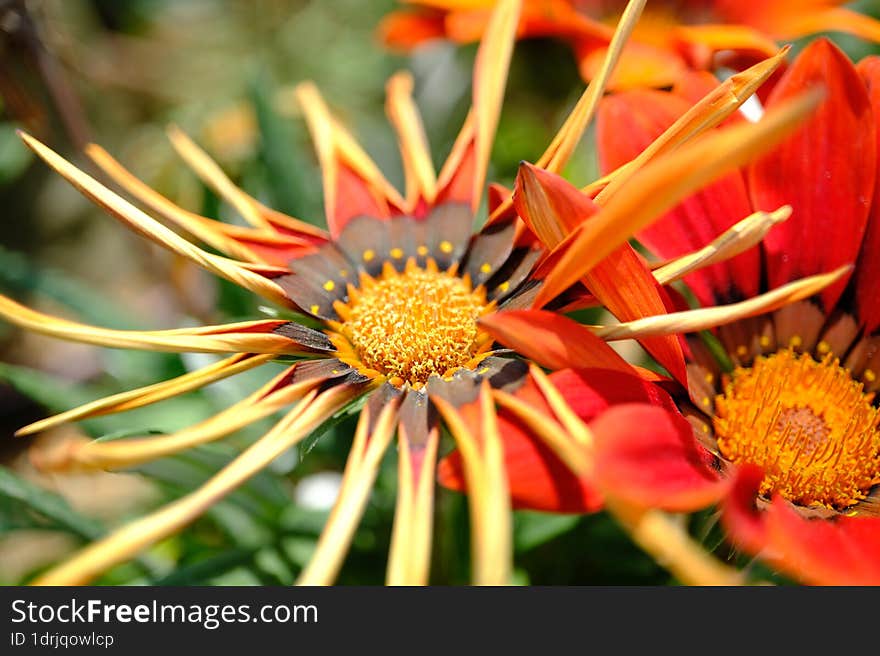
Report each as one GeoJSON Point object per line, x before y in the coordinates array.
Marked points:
{"type": "Point", "coordinates": [413, 324]}
{"type": "Point", "coordinates": [807, 423]}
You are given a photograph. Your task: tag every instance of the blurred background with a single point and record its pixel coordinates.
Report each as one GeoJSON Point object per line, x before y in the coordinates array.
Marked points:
{"type": "Point", "coordinates": [118, 72]}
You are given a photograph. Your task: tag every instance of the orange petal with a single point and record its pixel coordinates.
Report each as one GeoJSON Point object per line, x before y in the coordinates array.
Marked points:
{"type": "Point", "coordinates": [474, 145]}
{"type": "Point", "coordinates": [353, 184]}
{"type": "Point", "coordinates": [621, 282]}
{"type": "Point", "coordinates": [663, 183]}
{"type": "Point", "coordinates": [421, 181]}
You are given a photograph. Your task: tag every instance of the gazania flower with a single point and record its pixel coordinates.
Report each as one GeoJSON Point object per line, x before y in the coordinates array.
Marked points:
{"type": "Point", "coordinates": [671, 37]}
{"type": "Point", "coordinates": [392, 299]}
{"type": "Point", "coordinates": [784, 404]}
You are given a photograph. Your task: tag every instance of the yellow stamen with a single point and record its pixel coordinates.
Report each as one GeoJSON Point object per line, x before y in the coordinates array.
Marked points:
{"type": "Point", "coordinates": [413, 324]}
{"type": "Point", "coordinates": [807, 423]}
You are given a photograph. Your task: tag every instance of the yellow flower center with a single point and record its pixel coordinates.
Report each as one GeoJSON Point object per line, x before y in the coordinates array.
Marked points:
{"type": "Point", "coordinates": [413, 324]}
{"type": "Point", "coordinates": [807, 423]}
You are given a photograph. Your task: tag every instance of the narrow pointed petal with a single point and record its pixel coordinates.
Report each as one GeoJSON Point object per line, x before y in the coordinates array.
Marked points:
{"type": "Point", "coordinates": [647, 456]}
{"type": "Point", "coordinates": [739, 237]}
{"type": "Point", "coordinates": [463, 176]}
{"type": "Point", "coordinates": [421, 180]}
{"type": "Point", "coordinates": [212, 175]}
{"type": "Point", "coordinates": [566, 140]}
{"type": "Point", "coordinates": [476, 434]}
{"type": "Point", "coordinates": [235, 241]}
{"type": "Point", "coordinates": [410, 553]}
{"type": "Point", "coordinates": [663, 183]}
{"type": "Point", "coordinates": [149, 227]}
{"type": "Point", "coordinates": [490, 78]}
{"type": "Point", "coordinates": [152, 393]}
{"type": "Point", "coordinates": [558, 153]}
{"type": "Point", "coordinates": [622, 282]}
{"type": "Point", "coordinates": [263, 336]}
{"type": "Point", "coordinates": [126, 542]}
{"type": "Point", "coordinates": [867, 273]}
{"type": "Point", "coordinates": [370, 444]}
{"type": "Point", "coordinates": [552, 340]}
{"type": "Point", "coordinates": [703, 318]}
{"type": "Point", "coordinates": [813, 172]}
{"type": "Point", "coordinates": [353, 184]}
{"type": "Point", "coordinates": [281, 391]}
{"type": "Point", "coordinates": [711, 109]}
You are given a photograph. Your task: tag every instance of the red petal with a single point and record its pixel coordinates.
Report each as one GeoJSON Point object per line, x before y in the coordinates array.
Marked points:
{"type": "Point", "coordinates": [626, 124]}
{"type": "Point", "coordinates": [868, 270]}
{"type": "Point", "coordinates": [740, 516]}
{"type": "Point", "coordinates": [843, 551]}
{"type": "Point", "coordinates": [622, 282]}
{"type": "Point", "coordinates": [648, 456]}
{"type": "Point", "coordinates": [537, 478]}
{"type": "Point", "coordinates": [825, 172]}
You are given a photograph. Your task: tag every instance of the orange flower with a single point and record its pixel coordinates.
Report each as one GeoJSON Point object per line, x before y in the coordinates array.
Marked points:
{"type": "Point", "coordinates": [389, 307]}
{"type": "Point", "coordinates": [671, 37]}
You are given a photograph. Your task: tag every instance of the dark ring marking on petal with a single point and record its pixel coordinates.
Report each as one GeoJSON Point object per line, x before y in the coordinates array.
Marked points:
{"type": "Point", "coordinates": [310, 338]}
{"type": "Point", "coordinates": [489, 251]}
{"type": "Point", "coordinates": [507, 280]}
{"type": "Point", "coordinates": [464, 385]}
{"type": "Point", "coordinates": [448, 230]}
{"type": "Point", "coordinates": [365, 241]}
{"type": "Point", "coordinates": [417, 416]}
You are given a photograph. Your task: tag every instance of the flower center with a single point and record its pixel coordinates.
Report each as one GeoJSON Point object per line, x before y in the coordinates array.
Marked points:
{"type": "Point", "coordinates": [807, 423]}
{"type": "Point", "coordinates": [413, 324]}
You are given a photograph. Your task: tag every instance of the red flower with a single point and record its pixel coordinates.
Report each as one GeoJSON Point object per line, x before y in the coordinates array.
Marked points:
{"type": "Point", "coordinates": [784, 402]}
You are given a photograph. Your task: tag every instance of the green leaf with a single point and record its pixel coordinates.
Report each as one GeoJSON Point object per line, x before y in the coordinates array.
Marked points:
{"type": "Point", "coordinates": [214, 566]}
{"type": "Point", "coordinates": [49, 505]}
{"type": "Point", "coordinates": [532, 529]}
